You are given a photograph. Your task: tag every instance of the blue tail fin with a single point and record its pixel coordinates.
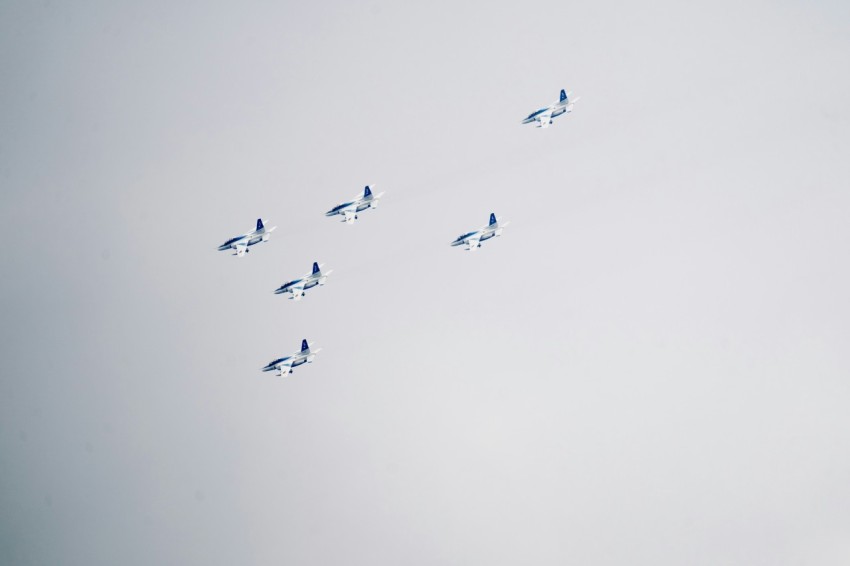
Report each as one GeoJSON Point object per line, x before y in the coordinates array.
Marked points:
{"type": "Point", "coordinates": [492, 218]}
{"type": "Point", "coordinates": [259, 223]}
{"type": "Point", "coordinates": [367, 192]}
{"type": "Point", "coordinates": [563, 95]}
{"type": "Point", "coordinates": [304, 345]}
{"type": "Point", "coordinates": [315, 267]}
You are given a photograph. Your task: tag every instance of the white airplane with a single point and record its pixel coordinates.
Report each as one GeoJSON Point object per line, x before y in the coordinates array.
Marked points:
{"type": "Point", "coordinates": [241, 243]}
{"type": "Point", "coordinates": [286, 364]}
{"type": "Point", "coordinates": [544, 116]}
{"type": "Point", "coordinates": [359, 203]}
{"type": "Point", "coordinates": [297, 287]}
{"type": "Point", "coordinates": [473, 240]}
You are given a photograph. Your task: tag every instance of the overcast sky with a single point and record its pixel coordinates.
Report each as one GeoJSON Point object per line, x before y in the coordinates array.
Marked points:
{"type": "Point", "coordinates": [650, 367]}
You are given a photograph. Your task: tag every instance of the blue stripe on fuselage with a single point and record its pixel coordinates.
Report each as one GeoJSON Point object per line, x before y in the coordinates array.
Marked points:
{"type": "Point", "coordinates": [232, 241]}
{"type": "Point", "coordinates": [337, 208]}
{"type": "Point", "coordinates": [541, 111]}
{"type": "Point", "coordinates": [277, 361]}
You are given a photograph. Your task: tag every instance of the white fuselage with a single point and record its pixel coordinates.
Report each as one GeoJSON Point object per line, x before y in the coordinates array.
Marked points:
{"type": "Point", "coordinates": [288, 363]}
{"type": "Point", "coordinates": [241, 243]}
{"type": "Point", "coordinates": [473, 239]}
{"type": "Point", "coordinates": [297, 287]}
{"type": "Point", "coordinates": [544, 116]}
{"type": "Point", "coordinates": [348, 210]}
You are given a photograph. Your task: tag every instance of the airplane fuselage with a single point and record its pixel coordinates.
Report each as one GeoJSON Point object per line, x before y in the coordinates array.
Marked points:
{"type": "Point", "coordinates": [286, 364]}
{"type": "Point", "coordinates": [242, 242]}
{"type": "Point", "coordinates": [482, 235]}
{"type": "Point", "coordinates": [309, 283]}
{"type": "Point", "coordinates": [247, 239]}
{"type": "Point", "coordinates": [297, 360]}
{"type": "Point", "coordinates": [535, 115]}
{"type": "Point", "coordinates": [339, 208]}
{"type": "Point", "coordinates": [553, 111]}
{"type": "Point", "coordinates": [349, 209]}
{"type": "Point", "coordinates": [356, 205]}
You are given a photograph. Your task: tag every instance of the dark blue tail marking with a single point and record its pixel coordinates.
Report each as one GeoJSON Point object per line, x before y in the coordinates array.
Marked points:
{"type": "Point", "coordinates": [315, 267]}
{"type": "Point", "coordinates": [367, 192]}
{"type": "Point", "coordinates": [492, 218]}
{"type": "Point", "coordinates": [304, 345]}
{"type": "Point", "coordinates": [259, 223]}
{"type": "Point", "coordinates": [563, 95]}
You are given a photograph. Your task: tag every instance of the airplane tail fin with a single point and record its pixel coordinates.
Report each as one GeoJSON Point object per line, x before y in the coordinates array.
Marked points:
{"type": "Point", "coordinates": [564, 97]}
{"type": "Point", "coordinates": [493, 219]}
{"type": "Point", "coordinates": [259, 224]}
{"type": "Point", "coordinates": [367, 192]}
{"type": "Point", "coordinates": [304, 346]}
{"type": "Point", "coordinates": [316, 267]}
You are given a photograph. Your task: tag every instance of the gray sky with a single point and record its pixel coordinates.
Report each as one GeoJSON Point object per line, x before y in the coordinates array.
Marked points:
{"type": "Point", "coordinates": [650, 367]}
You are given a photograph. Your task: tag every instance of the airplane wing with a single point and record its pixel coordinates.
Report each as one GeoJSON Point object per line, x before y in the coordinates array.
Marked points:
{"type": "Point", "coordinates": [284, 368]}
{"type": "Point", "coordinates": [297, 291]}
{"type": "Point", "coordinates": [473, 243]}
{"type": "Point", "coordinates": [544, 119]}
{"type": "Point", "coordinates": [241, 248]}
{"type": "Point", "coordinates": [349, 215]}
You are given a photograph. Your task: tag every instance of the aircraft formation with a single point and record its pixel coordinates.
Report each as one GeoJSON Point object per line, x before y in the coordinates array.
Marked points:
{"type": "Point", "coordinates": [350, 211]}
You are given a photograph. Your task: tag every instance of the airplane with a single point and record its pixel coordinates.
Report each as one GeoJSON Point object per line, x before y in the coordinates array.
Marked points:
{"type": "Point", "coordinates": [241, 243]}
{"type": "Point", "coordinates": [359, 203]}
{"type": "Point", "coordinates": [287, 364]}
{"type": "Point", "coordinates": [297, 287]}
{"type": "Point", "coordinates": [473, 240]}
{"type": "Point", "coordinates": [544, 116]}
